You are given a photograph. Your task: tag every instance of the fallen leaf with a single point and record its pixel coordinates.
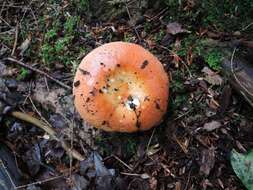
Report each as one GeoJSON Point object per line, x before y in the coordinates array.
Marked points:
{"type": "Point", "coordinates": [243, 167]}
{"type": "Point", "coordinates": [212, 126]}
{"type": "Point", "coordinates": [212, 77]}
{"type": "Point", "coordinates": [175, 28]}
{"type": "Point", "coordinates": [207, 161]}
{"type": "Point", "coordinates": [57, 99]}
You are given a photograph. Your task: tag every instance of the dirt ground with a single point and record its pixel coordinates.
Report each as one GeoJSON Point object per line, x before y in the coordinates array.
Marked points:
{"type": "Point", "coordinates": [41, 45]}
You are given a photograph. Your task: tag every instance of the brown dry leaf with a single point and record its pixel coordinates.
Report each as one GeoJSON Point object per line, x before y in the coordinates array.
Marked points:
{"type": "Point", "coordinates": [175, 28]}
{"type": "Point", "coordinates": [212, 126]}
{"type": "Point", "coordinates": [57, 99]}
{"type": "Point", "coordinates": [207, 161]}
{"type": "Point", "coordinates": [212, 77]}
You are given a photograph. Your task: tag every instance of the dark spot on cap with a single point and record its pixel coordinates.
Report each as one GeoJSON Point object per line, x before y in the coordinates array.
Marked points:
{"type": "Point", "coordinates": [130, 98]}
{"type": "Point", "coordinates": [84, 72]}
{"type": "Point", "coordinates": [92, 92]}
{"type": "Point", "coordinates": [102, 64]}
{"type": "Point", "coordinates": [115, 89]}
{"type": "Point", "coordinates": [146, 98]}
{"type": "Point", "coordinates": [88, 99]}
{"type": "Point", "coordinates": [157, 105]}
{"type": "Point", "coordinates": [100, 91]}
{"type": "Point", "coordinates": [144, 64]}
{"type": "Point", "coordinates": [118, 65]}
{"type": "Point", "coordinates": [77, 83]}
{"type": "Point", "coordinates": [104, 122]}
{"type": "Point", "coordinates": [81, 94]}
{"type": "Point", "coordinates": [132, 106]}
{"type": "Point", "coordinates": [138, 124]}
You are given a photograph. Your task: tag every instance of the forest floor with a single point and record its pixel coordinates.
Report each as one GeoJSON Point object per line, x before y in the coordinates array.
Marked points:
{"type": "Point", "coordinates": [41, 45]}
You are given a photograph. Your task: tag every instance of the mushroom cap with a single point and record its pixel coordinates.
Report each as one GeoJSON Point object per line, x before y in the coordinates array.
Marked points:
{"type": "Point", "coordinates": [121, 87]}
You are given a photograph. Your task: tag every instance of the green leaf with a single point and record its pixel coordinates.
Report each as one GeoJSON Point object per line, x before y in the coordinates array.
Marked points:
{"type": "Point", "coordinates": [243, 167]}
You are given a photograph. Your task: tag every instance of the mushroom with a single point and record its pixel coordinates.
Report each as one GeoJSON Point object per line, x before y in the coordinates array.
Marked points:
{"type": "Point", "coordinates": [121, 87]}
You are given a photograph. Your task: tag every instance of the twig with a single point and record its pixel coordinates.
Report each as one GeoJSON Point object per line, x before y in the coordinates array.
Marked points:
{"type": "Point", "coordinates": [188, 179]}
{"type": "Point", "coordinates": [2, 8]}
{"type": "Point", "coordinates": [49, 130]}
{"type": "Point", "coordinates": [130, 18]}
{"type": "Point", "coordinates": [246, 27]}
{"type": "Point", "coordinates": [45, 79]}
{"type": "Point", "coordinates": [184, 114]}
{"type": "Point", "coordinates": [173, 53]}
{"type": "Point", "coordinates": [117, 158]}
{"type": "Point", "coordinates": [150, 139]}
{"type": "Point", "coordinates": [71, 148]}
{"type": "Point", "coordinates": [39, 182]}
{"type": "Point", "coordinates": [37, 111]}
{"type": "Point", "coordinates": [7, 173]}
{"type": "Point", "coordinates": [160, 13]}
{"type": "Point", "coordinates": [5, 22]}
{"type": "Point", "coordinates": [39, 72]}
{"type": "Point", "coordinates": [26, 10]}
{"type": "Point", "coordinates": [15, 41]}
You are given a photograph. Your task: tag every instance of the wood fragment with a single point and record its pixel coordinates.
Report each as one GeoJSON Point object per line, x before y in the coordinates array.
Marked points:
{"type": "Point", "coordinates": [240, 75]}
{"type": "Point", "coordinates": [25, 117]}
{"type": "Point", "coordinates": [38, 71]}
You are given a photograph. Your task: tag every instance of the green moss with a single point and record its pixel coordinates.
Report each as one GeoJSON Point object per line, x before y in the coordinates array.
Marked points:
{"type": "Point", "coordinates": [213, 59]}
{"type": "Point", "coordinates": [51, 34]}
{"type": "Point", "coordinates": [23, 74]}
{"type": "Point", "coordinates": [223, 15]}
{"type": "Point", "coordinates": [55, 47]}
{"type": "Point", "coordinates": [70, 24]}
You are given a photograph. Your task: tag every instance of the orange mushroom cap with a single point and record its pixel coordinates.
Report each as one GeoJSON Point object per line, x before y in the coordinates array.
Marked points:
{"type": "Point", "coordinates": [121, 87]}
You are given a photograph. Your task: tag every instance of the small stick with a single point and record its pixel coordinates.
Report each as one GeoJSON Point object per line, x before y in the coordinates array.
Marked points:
{"type": "Point", "coordinates": [130, 18]}
{"type": "Point", "coordinates": [49, 130]}
{"type": "Point", "coordinates": [117, 158]}
{"type": "Point", "coordinates": [173, 53]}
{"type": "Point", "coordinates": [39, 71]}
{"type": "Point", "coordinates": [5, 22]}
{"type": "Point", "coordinates": [15, 41]}
{"type": "Point", "coordinates": [150, 139]}
{"type": "Point", "coordinates": [39, 182]}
